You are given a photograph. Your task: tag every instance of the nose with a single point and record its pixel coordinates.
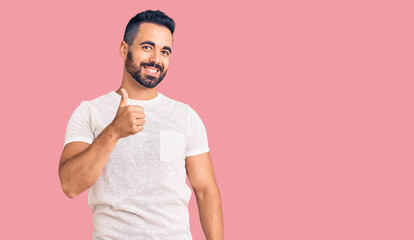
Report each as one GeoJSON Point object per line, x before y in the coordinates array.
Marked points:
{"type": "Point", "coordinates": [155, 57]}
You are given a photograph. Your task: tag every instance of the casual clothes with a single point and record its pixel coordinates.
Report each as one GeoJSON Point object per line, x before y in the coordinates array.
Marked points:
{"type": "Point", "coordinates": [142, 191]}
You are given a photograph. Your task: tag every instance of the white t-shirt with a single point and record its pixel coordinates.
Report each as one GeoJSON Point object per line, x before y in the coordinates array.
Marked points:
{"type": "Point", "coordinates": [142, 191]}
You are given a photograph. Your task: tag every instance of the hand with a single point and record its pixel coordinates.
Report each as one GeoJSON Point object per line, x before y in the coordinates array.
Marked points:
{"type": "Point", "coordinates": [129, 120]}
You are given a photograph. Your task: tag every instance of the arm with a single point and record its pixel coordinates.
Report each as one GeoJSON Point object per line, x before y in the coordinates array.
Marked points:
{"type": "Point", "coordinates": [201, 175]}
{"type": "Point", "coordinates": [82, 163]}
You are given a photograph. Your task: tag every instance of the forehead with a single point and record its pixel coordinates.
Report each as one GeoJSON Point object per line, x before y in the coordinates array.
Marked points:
{"type": "Point", "coordinates": [157, 34]}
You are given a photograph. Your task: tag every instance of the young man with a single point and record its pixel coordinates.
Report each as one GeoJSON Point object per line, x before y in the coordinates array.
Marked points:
{"type": "Point", "coordinates": [133, 147]}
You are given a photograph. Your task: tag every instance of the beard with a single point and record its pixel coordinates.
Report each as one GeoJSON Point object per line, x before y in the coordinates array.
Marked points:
{"type": "Point", "coordinates": [145, 80]}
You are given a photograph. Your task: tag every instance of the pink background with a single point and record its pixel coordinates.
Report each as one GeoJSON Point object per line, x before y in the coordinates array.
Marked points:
{"type": "Point", "coordinates": [308, 107]}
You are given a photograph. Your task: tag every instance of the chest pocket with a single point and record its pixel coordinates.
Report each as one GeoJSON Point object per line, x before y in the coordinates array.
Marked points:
{"type": "Point", "coordinates": [172, 146]}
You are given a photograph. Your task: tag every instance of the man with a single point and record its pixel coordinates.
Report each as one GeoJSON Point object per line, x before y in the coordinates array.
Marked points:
{"type": "Point", "coordinates": [133, 147]}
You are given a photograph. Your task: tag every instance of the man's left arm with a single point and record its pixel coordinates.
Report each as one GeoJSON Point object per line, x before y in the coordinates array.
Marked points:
{"type": "Point", "coordinates": [201, 175]}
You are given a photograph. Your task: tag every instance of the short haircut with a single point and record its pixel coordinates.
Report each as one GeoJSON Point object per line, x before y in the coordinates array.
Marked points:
{"type": "Point", "coordinates": [149, 16]}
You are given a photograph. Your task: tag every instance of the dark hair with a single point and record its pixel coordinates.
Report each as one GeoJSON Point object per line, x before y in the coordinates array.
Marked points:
{"type": "Point", "coordinates": [148, 16]}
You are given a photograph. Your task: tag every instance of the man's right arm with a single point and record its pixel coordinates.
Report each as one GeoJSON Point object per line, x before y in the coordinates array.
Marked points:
{"type": "Point", "coordinates": [82, 163]}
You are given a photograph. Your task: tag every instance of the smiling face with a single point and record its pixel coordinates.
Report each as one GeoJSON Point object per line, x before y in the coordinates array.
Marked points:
{"type": "Point", "coordinates": [148, 58]}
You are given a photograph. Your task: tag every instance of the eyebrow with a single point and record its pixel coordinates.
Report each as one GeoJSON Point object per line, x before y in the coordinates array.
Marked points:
{"type": "Point", "coordinates": [153, 44]}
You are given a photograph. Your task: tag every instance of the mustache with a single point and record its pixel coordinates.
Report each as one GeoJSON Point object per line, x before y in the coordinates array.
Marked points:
{"type": "Point", "coordinates": [157, 66]}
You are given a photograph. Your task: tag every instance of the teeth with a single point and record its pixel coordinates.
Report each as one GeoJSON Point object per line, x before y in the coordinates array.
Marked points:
{"type": "Point", "coordinates": [151, 70]}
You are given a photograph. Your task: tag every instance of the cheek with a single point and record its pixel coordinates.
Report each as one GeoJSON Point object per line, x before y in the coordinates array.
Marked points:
{"type": "Point", "coordinates": [141, 57]}
{"type": "Point", "coordinates": [166, 63]}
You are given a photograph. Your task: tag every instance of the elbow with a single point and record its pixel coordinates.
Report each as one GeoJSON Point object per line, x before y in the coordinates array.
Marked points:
{"type": "Point", "coordinates": [67, 189]}
{"type": "Point", "coordinates": [70, 195]}
{"type": "Point", "coordinates": [68, 192]}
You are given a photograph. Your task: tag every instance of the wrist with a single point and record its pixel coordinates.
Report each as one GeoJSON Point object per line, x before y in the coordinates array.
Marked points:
{"type": "Point", "coordinates": [111, 131]}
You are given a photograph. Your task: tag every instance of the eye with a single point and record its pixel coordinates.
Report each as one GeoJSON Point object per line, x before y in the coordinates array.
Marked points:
{"type": "Point", "coordinates": [146, 47]}
{"type": "Point", "coordinates": [166, 53]}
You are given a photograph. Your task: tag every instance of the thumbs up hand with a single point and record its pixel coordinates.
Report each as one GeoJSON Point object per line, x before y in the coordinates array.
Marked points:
{"type": "Point", "coordinates": [129, 120]}
{"type": "Point", "coordinates": [124, 99]}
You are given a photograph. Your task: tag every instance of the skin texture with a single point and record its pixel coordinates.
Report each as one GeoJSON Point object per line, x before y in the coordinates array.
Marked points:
{"type": "Point", "coordinates": [137, 72]}
{"type": "Point", "coordinates": [81, 163]}
{"type": "Point", "coordinates": [146, 54]}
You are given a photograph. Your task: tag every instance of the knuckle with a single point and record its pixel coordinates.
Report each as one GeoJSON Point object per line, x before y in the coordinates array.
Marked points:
{"type": "Point", "coordinates": [138, 129]}
{"type": "Point", "coordinates": [137, 108]}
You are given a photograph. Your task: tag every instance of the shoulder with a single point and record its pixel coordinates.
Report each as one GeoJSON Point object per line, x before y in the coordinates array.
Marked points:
{"type": "Point", "coordinates": [87, 108]}
{"type": "Point", "coordinates": [176, 105]}
{"type": "Point", "coordinates": [184, 111]}
{"type": "Point", "coordinates": [105, 99]}
{"type": "Point", "coordinates": [172, 101]}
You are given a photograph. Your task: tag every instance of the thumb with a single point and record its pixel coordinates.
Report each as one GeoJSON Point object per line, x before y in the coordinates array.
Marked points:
{"type": "Point", "coordinates": [124, 98]}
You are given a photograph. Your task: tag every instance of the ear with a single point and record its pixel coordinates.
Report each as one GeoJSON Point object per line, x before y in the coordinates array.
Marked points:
{"type": "Point", "coordinates": [123, 50]}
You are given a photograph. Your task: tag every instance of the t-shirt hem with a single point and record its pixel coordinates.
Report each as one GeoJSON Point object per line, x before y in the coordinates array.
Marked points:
{"type": "Point", "coordinates": [197, 151]}
{"type": "Point", "coordinates": [80, 139]}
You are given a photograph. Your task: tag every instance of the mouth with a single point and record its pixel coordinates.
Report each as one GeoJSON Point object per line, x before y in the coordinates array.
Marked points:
{"type": "Point", "coordinates": [152, 71]}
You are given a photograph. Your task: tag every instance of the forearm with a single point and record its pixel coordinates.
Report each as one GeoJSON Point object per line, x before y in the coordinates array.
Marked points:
{"type": "Point", "coordinates": [211, 215]}
{"type": "Point", "coordinates": [81, 171]}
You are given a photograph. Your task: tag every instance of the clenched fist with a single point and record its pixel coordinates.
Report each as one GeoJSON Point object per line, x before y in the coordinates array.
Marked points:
{"type": "Point", "coordinates": [129, 120]}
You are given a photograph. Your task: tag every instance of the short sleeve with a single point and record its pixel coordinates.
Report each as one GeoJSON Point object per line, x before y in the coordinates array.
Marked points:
{"type": "Point", "coordinates": [79, 125]}
{"type": "Point", "coordinates": [197, 142]}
